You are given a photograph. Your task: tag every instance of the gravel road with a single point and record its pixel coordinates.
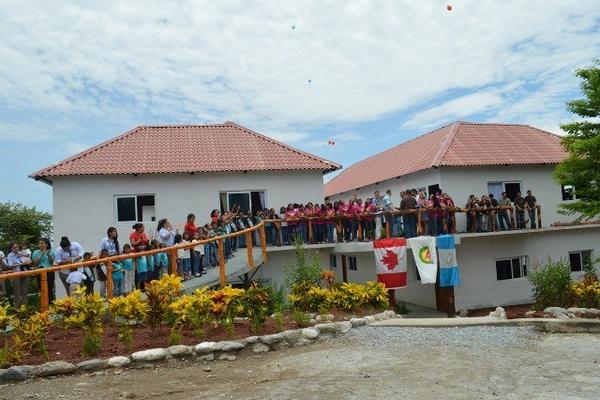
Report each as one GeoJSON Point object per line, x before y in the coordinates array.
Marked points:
{"type": "Point", "coordinates": [367, 363]}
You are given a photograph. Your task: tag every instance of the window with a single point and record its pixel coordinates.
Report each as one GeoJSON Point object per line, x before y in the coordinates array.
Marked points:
{"type": "Point", "coordinates": [511, 268]}
{"type": "Point", "coordinates": [511, 189]}
{"type": "Point", "coordinates": [432, 188]}
{"type": "Point", "coordinates": [244, 201]}
{"type": "Point", "coordinates": [135, 208]}
{"type": "Point", "coordinates": [332, 261]}
{"type": "Point", "coordinates": [567, 192]}
{"type": "Point", "coordinates": [352, 262]}
{"type": "Point", "coordinates": [578, 259]}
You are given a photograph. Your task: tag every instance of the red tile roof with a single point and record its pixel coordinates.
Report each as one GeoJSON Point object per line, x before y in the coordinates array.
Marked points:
{"type": "Point", "coordinates": [457, 144]}
{"type": "Point", "coordinates": [186, 149]}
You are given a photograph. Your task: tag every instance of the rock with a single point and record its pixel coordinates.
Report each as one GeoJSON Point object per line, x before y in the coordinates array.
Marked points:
{"type": "Point", "coordinates": [499, 313]}
{"type": "Point", "coordinates": [250, 340]}
{"type": "Point", "coordinates": [150, 355]}
{"type": "Point", "coordinates": [207, 357]}
{"type": "Point", "coordinates": [227, 357]}
{"type": "Point", "coordinates": [357, 322]}
{"type": "Point", "coordinates": [369, 318]}
{"type": "Point", "coordinates": [239, 320]}
{"type": "Point", "coordinates": [92, 365]}
{"type": "Point", "coordinates": [180, 350]}
{"type": "Point", "coordinates": [462, 313]}
{"type": "Point", "coordinates": [270, 339]}
{"type": "Point", "coordinates": [17, 373]}
{"type": "Point", "coordinates": [118, 361]}
{"type": "Point", "coordinates": [302, 342]}
{"type": "Point", "coordinates": [260, 348]}
{"type": "Point", "coordinates": [555, 312]}
{"type": "Point", "coordinates": [55, 368]}
{"type": "Point", "coordinates": [331, 328]}
{"type": "Point", "coordinates": [206, 347]}
{"type": "Point", "coordinates": [312, 315]}
{"type": "Point", "coordinates": [593, 312]}
{"type": "Point", "coordinates": [344, 326]}
{"type": "Point", "coordinates": [312, 321]}
{"type": "Point", "coordinates": [292, 336]}
{"type": "Point", "coordinates": [325, 318]}
{"type": "Point", "coordinates": [231, 345]}
{"type": "Point", "coordinates": [207, 369]}
{"type": "Point", "coordinates": [310, 333]}
{"type": "Point", "coordinates": [390, 314]}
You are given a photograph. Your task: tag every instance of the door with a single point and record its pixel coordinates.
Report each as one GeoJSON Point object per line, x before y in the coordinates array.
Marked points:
{"type": "Point", "coordinates": [496, 189]}
{"type": "Point", "coordinates": [344, 269]}
{"type": "Point", "coordinates": [444, 299]}
{"type": "Point", "coordinates": [511, 189]}
{"type": "Point", "coordinates": [431, 189]}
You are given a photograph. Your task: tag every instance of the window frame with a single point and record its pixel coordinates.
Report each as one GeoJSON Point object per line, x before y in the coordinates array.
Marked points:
{"type": "Point", "coordinates": [523, 267]}
{"type": "Point", "coordinates": [135, 206]}
{"type": "Point", "coordinates": [332, 261]}
{"type": "Point", "coordinates": [352, 266]}
{"type": "Point", "coordinates": [581, 259]}
{"type": "Point", "coordinates": [563, 192]}
{"type": "Point", "coordinates": [245, 191]}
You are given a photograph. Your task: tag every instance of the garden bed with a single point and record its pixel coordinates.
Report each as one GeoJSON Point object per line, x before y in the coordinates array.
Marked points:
{"type": "Point", "coordinates": [66, 344]}
{"type": "Point", "coordinates": [516, 311]}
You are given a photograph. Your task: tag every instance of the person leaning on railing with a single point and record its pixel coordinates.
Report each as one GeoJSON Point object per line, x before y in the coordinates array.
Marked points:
{"type": "Point", "coordinates": [503, 219]}
{"type": "Point", "coordinates": [43, 258]}
{"type": "Point", "coordinates": [67, 253]}
{"type": "Point", "coordinates": [17, 263]}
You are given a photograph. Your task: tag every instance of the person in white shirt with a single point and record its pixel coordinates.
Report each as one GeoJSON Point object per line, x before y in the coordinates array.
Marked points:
{"type": "Point", "coordinates": [75, 279]}
{"type": "Point", "coordinates": [166, 232]}
{"type": "Point", "coordinates": [17, 263]}
{"type": "Point", "coordinates": [68, 253]}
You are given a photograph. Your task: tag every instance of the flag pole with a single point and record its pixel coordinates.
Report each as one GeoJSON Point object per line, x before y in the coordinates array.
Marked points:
{"type": "Point", "coordinates": [392, 299]}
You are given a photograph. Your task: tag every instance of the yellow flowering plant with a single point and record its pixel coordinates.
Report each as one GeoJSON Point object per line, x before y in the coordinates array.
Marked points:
{"type": "Point", "coordinates": [126, 311]}
{"type": "Point", "coordinates": [30, 334]}
{"type": "Point", "coordinates": [192, 311]}
{"type": "Point", "coordinates": [160, 293]}
{"type": "Point", "coordinates": [226, 305]}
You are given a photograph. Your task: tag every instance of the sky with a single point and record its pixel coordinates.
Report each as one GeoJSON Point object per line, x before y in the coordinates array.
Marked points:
{"type": "Point", "coordinates": [365, 74]}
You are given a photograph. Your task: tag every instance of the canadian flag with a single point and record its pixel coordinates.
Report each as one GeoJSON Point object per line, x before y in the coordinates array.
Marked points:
{"type": "Point", "coordinates": [390, 258]}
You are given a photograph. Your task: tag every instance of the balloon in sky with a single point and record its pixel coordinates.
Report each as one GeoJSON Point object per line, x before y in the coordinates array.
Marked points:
{"type": "Point", "coordinates": [293, 26]}
{"type": "Point", "coordinates": [310, 81]}
{"type": "Point", "coordinates": [449, 7]}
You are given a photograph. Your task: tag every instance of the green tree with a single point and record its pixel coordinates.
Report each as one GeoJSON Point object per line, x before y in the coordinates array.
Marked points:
{"type": "Point", "coordinates": [19, 222]}
{"type": "Point", "coordinates": [582, 167]}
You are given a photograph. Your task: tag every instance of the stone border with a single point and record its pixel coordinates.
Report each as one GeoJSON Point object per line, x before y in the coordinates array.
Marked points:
{"type": "Point", "coordinates": [205, 351]}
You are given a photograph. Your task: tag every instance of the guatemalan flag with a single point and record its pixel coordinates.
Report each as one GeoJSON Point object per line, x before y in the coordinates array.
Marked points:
{"type": "Point", "coordinates": [390, 258]}
{"type": "Point", "coordinates": [449, 275]}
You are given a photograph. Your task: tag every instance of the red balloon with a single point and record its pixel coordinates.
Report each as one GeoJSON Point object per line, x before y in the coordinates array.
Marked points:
{"type": "Point", "coordinates": [449, 7]}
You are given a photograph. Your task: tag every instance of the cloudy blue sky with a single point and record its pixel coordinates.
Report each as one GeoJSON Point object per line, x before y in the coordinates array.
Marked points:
{"type": "Point", "coordinates": [367, 74]}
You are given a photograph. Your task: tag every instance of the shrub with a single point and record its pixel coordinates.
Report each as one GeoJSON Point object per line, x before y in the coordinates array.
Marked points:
{"type": "Point", "coordinates": [305, 270]}
{"type": "Point", "coordinates": [30, 334]}
{"type": "Point", "coordinates": [125, 311]}
{"type": "Point", "coordinates": [191, 311]}
{"type": "Point", "coordinates": [348, 296]}
{"type": "Point", "coordinates": [551, 284]}
{"type": "Point", "coordinates": [277, 298]}
{"type": "Point", "coordinates": [5, 318]}
{"type": "Point", "coordinates": [256, 304]}
{"type": "Point", "coordinates": [377, 296]}
{"type": "Point", "coordinates": [160, 293]}
{"type": "Point", "coordinates": [586, 294]}
{"type": "Point", "coordinates": [83, 311]}
{"type": "Point", "coordinates": [327, 278]}
{"type": "Point", "coordinates": [301, 318]}
{"type": "Point", "coordinates": [227, 304]}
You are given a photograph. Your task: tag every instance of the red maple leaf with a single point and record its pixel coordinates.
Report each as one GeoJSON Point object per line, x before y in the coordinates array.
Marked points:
{"type": "Point", "coordinates": [390, 259]}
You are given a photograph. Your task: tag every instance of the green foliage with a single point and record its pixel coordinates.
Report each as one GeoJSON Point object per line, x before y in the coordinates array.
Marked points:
{"type": "Point", "coordinates": [160, 293]}
{"type": "Point", "coordinates": [348, 296]}
{"type": "Point", "coordinates": [401, 308]}
{"type": "Point", "coordinates": [5, 356]}
{"type": "Point", "coordinates": [582, 167]}
{"type": "Point", "coordinates": [19, 223]}
{"type": "Point", "coordinates": [279, 321]}
{"type": "Point", "coordinates": [301, 318]}
{"type": "Point", "coordinates": [30, 334]}
{"type": "Point", "coordinates": [125, 311]}
{"type": "Point", "coordinates": [175, 336]}
{"type": "Point", "coordinates": [277, 298]}
{"type": "Point", "coordinates": [305, 270]}
{"type": "Point", "coordinates": [256, 306]}
{"type": "Point", "coordinates": [551, 284]}
{"type": "Point", "coordinates": [192, 311]}
{"type": "Point", "coordinates": [84, 311]}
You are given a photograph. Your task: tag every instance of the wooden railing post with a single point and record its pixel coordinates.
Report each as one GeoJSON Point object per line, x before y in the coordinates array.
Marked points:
{"type": "Point", "coordinates": [249, 249]}
{"type": "Point", "coordinates": [453, 220]}
{"type": "Point", "coordinates": [539, 216]}
{"type": "Point", "coordinates": [221, 257]}
{"type": "Point", "coordinates": [109, 280]}
{"type": "Point", "coordinates": [263, 242]}
{"type": "Point", "coordinates": [173, 262]}
{"type": "Point", "coordinates": [419, 222]}
{"type": "Point", "coordinates": [310, 230]}
{"type": "Point", "coordinates": [44, 290]}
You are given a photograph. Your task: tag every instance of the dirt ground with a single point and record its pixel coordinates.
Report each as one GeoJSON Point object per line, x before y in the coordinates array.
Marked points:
{"type": "Point", "coordinates": [367, 363]}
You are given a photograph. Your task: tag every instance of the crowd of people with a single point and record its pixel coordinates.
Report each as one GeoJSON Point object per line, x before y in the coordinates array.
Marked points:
{"type": "Point", "coordinates": [328, 222]}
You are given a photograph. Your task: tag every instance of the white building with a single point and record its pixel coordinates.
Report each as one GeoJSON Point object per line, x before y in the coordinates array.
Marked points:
{"type": "Point", "coordinates": [154, 172]}
{"type": "Point", "coordinates": [167, 172]}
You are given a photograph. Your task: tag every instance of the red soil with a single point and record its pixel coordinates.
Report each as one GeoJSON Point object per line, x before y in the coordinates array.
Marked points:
{"type": "Point", "coordinates": [66, 344]}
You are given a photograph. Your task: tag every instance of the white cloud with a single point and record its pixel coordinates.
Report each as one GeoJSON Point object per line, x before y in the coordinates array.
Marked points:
{"type": "Point", "coordinates": [457, 108]}
{"type": "Point", "coordinates": [22, 133]}
{"type": "Point", "coordinates": [231, 60]}
{"type": "Point", "coordinates": [72, 148]}
{"type": "Point", "coordinates": [348, 137]}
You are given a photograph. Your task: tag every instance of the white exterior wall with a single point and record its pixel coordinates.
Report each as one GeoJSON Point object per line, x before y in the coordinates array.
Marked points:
{"type": "Point", "coordinates": [274, 272]}
{"type": "Point", "coordinates": [84, 206]}
{"type": "Point", "coordinates": [460, 182]}
{"type": "Point", "coordinates": [413, 181]}
{"type": "Point", "coordinates": [477, 262]}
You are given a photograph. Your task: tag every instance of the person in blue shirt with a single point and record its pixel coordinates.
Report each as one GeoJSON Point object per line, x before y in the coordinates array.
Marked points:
{"type": "Point", "coordinates": [43, 258]}
{"type": "Point", "coordinates": [141, 273]}
{"type": "Point", "coordinates": [129, 271]}
{"type": "Point", "coordinates": [117, 277]}
{"type": "Point", "coordinates": [162, 263]}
